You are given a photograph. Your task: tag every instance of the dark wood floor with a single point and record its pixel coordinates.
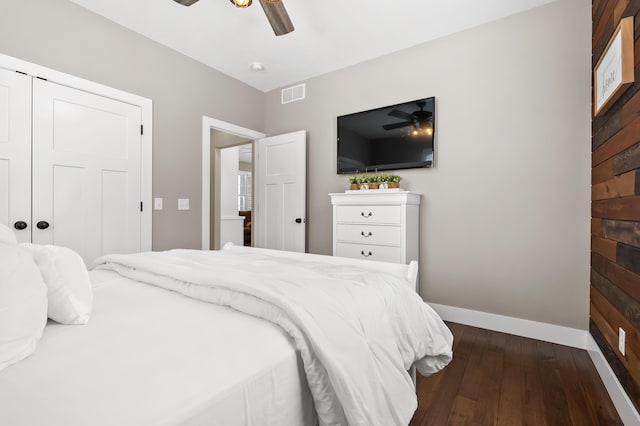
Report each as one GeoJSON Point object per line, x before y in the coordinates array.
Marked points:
{"type": "Point", "coordinates": [501, 379]}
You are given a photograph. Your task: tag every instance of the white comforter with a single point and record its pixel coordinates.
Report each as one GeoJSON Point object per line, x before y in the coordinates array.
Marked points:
{"type": "Point", "coordinates": [357, 332]}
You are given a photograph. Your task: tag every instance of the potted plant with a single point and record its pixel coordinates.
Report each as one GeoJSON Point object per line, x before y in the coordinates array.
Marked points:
{"type": "Point", "coordinates": [384, 179]}
{"type": "Point", "coordinates": [394, 181]}
{"type": "Point", "coordinates": [374, 181]}
{"type": "Point", "coordinates": [364, 181]}
{"type": "Point", "coordinates": [355, 182]}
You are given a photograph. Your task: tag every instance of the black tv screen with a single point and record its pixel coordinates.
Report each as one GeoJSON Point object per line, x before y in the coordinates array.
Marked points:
{"type": "Point", "coordinates": [393, 137]}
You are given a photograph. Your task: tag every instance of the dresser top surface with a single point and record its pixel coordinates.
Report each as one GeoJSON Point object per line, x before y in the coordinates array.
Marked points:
{"type": "Point", "coordinates": [375, 196]}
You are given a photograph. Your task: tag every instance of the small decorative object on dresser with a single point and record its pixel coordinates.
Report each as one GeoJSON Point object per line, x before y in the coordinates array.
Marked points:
{"type": "Point", "coordinates": [355, 182]}
{"type": "Point", "coordinates": [376, 225]}
{"type": "Point", "coordinates": [393, 181]}
{"type": "Point", "coordinates": [374, 181]}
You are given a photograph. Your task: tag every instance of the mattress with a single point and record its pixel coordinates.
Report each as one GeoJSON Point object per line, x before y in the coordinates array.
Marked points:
{"type": "Point", "coordinates": [153, 357]}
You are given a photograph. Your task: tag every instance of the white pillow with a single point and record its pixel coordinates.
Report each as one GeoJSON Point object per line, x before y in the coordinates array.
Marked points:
{"type": "Point", "coordinates": [7, 236]}
{"type": "Point", "coordinates": [23, 304]}
{"type": "Point", "coordinates": [67, 279]}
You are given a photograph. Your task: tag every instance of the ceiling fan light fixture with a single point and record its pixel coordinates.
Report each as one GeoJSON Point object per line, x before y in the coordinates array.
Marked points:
{"type": "Point", "coordinates": [241, 3]}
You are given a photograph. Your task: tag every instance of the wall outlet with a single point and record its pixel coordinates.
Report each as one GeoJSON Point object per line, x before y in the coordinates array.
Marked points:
{"type": "Point", "coordinates": [621, 340]}
{"type": "Point", "coordinates": [157, 203]}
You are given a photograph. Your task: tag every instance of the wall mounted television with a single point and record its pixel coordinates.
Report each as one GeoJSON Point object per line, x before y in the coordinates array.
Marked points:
{"type": "Point", "coordinates": [388, 138]}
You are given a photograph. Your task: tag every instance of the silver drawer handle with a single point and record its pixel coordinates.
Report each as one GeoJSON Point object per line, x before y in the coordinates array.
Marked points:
{"type": "Point", "coordinates": [364, 254]}
{"type": "Point", "coordinates": [366, 235]}
{"type": "Point", "coordinates": [366, 215]}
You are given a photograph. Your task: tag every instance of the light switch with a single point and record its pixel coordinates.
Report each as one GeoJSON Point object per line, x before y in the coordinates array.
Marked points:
{"type": "Point", "coordinates": [157, 203]}
{"type": "Point", "coordinates": [183, 204]}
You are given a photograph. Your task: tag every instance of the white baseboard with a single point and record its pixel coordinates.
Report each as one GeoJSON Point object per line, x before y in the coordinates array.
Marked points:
{"type": "Point", "coordinates": [567, 336]}
{"type": "Point", "coordinates": [520, 327]}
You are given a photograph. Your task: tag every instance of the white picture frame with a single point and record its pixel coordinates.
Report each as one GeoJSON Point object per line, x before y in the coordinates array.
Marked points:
{"type": "Point", "coordinates": [614, 71]}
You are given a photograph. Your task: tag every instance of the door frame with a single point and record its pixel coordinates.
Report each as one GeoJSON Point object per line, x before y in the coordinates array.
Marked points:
{"type": "Point", "coordinates": [146, 107]}
{"type": "Point", "coordinates": [208, 124]}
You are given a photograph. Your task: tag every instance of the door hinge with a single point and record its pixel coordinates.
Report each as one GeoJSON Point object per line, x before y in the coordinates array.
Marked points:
{"type": "Point", "coordinates": [142, 129]}
{"type": "Point", "coordinates": [141, 206]}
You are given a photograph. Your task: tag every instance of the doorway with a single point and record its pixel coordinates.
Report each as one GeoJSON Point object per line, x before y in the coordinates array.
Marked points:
{"type": "Point", "coordinates": [216, 136]}
{"type": "Point", "coordinates": [233, 177]}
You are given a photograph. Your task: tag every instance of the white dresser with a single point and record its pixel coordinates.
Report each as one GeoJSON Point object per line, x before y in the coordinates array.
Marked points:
{"type": "Point", "coordinates": [377, 225]}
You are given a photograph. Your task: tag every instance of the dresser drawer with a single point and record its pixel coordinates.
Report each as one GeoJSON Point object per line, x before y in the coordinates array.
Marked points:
{"type": "Point", "coordinates": [369, 234]}
{"type": "Point", "coordinates": [368, 214]}
{"type": "Point", "coordinates": [370, 252]}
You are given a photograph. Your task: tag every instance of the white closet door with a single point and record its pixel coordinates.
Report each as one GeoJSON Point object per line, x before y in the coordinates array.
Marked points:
{"type": "Point", "coordinates": [86, 171]}
{"type": "Point", "coordinates": [15, 152]}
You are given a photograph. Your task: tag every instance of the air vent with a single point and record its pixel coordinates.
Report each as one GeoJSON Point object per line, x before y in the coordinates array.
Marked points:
{"type": "Point", "coordinates": [293, 93]}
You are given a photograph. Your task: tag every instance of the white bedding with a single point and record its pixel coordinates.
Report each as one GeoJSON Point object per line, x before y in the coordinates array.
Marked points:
{"type": "Point", "coordinates": [357, 332]}
{"type": "Point", "coordinates": [153, 357]}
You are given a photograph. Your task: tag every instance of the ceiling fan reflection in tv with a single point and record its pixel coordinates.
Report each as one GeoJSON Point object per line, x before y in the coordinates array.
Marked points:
{"type": "Point", "coordinates": [421, 121]}
{"type": "Point", "coordinates": [274, 10]}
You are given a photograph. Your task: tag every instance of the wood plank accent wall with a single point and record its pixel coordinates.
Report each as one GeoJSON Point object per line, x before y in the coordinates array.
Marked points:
{"type": "Point", "coordinates": [615, 209]}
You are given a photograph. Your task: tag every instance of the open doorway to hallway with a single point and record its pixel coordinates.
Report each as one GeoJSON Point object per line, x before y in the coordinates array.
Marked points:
{"type": "Point", "coordinates": [216, 136]}
{"type": "Point", "coordinates": [236, 196]}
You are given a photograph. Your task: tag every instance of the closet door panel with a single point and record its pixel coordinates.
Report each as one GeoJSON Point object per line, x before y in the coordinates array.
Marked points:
{"type": "Point", "coordinates": [86, 171]}
{"type": "Point", "coordinates": [71, 189]}
{"type": "Point", "coordinates": [15, 152]}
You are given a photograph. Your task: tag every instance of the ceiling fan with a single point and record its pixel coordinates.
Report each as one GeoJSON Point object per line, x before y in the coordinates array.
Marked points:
{"type": "Point", "coordinates": [274, 9]}
{"type": "Point", "coordinates": [421, 120]}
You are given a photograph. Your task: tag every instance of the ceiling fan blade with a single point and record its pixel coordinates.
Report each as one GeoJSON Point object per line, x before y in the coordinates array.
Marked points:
{"type": "Point", "coordinates": [401, 114]}
{"type": "Point", "coordinates": [186, 2]}
{"type": "Point", "coordinates": [277, 16]}
{"type": "Point", "coordinates": [397, 125]}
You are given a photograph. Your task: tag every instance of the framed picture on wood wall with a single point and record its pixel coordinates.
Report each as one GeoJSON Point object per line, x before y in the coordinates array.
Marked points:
{"type": "Point", "coordinates": [613, 72]}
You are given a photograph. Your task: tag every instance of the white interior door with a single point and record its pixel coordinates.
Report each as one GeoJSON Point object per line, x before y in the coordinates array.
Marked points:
{"type": "Point", "coordinates": [86, 171]}
{"type": "Point", "coordinates": [15, 153]}
{"type": "Point", "coordinates": [281, 182]}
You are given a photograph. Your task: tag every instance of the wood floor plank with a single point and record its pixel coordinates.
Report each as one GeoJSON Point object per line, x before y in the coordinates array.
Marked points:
{"type": "Point", "coordinates": [500, 379]}
{"type": "Point", "coordinates": [533, 412]}
{"type": "Point", "coordinates": [471, 383]}
{"type": "Point", "coordinates": [555, 403]}
{"type": "Point", "coordinates": [486, 408]}
{"type": "Point", "coordinates": [511, 396]}
{"type": "Point", "coordinates": [461, 411]}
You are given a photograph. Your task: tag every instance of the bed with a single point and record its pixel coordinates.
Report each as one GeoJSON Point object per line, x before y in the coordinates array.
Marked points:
{"type": "Point", "coordinates": [149, 356]}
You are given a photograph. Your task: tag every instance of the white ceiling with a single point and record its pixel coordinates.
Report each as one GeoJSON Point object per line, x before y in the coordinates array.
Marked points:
{"type": "Point", "coordinates": [329, 34]}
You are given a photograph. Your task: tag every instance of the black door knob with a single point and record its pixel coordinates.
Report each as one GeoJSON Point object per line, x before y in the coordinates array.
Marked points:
{"type": "Point", "coordinates": [298, 220]}
{"type": "Point", "coordinates": [42, 224]}
{"type": "Point", "coordinates": [20, 225]}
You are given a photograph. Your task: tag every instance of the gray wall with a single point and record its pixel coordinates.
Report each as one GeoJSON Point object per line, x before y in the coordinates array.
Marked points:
{"type": "Point", "coordinates": [63, 36]}
{"type": "Point", "coordinates": [505, 213]}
